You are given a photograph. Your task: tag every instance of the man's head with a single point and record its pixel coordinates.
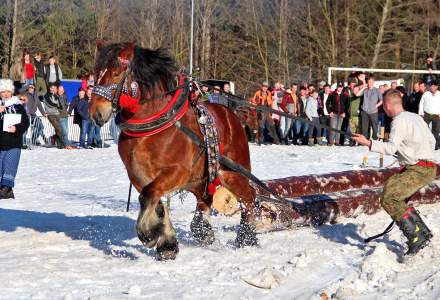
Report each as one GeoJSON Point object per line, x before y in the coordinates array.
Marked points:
{"type": "Point", "coordinates": [204, 89]}
{"type": "Point", "coordinates": [422, 86]}
{"type": "Point", "coordinates": [81, 93]}
{"type": "Point", "coordinates": [381, 88]}
{"type": "Point", "coordinates": [311, 89]}
{"type": "Point", "coordinates": [416, 87]}
{"type": "Point", "coordinates": [53, 88]}
{"type": "Point", "coordinates": [370, 81]}
{"type": "Point", "coordinates": [89, 91]}
{"type": "Point", "coordinates": [31, 88]}
{"type": "Point", "coordinates": [216, 89]}
{"type": "Point", "coordinates": [434, 86]}
{"type": "Point", "coordinates": [38, 56]}
{"type": "Point", "coordinates": [226, 88]}
{"type": "Point", "coordinates": [294, 88]}
{"type": "Point", "coordinates": [277, 85]}
{"type": "Point", "coordinates": [327, 88]}
{"type": "Point", "coordinates": [264, 86]}
{"type": "Point", "coordinates": [303, 91]}
{"type": "Point", "coordinates": [393, 85]}
{"type": "Point", "coordinates": [61, 90]}
{"type": "Point", "coordinates": [392, 103]}
{"type": "Point", "coordinates": [429, 58]}
{"type": "Point", "coordinates": [6, 88]}
{"type": "Point", "coordinates": [51, 60]}
{"type": "Point", "coordinates": [339, 87]}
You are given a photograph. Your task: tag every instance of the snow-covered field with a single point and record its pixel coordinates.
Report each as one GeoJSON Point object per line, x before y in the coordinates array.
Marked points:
{"type": "Point", "coordinates": [67, 236]}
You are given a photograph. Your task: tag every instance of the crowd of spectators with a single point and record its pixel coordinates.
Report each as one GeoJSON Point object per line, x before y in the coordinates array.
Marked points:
{"type": "Point", "coordinates": [353, 106]}
{"type": "Point", "coordinates": [43, 92]}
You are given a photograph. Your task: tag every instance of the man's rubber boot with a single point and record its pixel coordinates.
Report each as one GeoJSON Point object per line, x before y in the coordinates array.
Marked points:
{"type": "Point", "coordinates": [414, 214]}
{"type": "Point", "coordinates": [414, 232]}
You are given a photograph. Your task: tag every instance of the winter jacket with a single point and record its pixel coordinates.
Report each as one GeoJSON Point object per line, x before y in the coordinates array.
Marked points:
{"type": "Point", "coordinates": [63, 102]}
{"type": "Point", "coordinates": [288, 99]}
{"type": "Point", "coordinates": [33, 103]}
{"type": "Point", "coordinates": [260, 99]}
{"type": "Point", "coordinates": [311, 108]}
{"type": "Point", "coordinates": [39, 65]}
{"type": "Point", "coordinates": [58, 74]}
{"type": "Point", "coordinates": [302, 107]}
{"type": "Point", "coordinates": [10, 140]}
{"type": "Point", "coordinates": [52, 103]}
{"type": "Point", "coordinates": [78, 106]}
{"type": "Point", "coordinates": [83, 108]}
{"type": "Point", "coordinates": [337, 103]}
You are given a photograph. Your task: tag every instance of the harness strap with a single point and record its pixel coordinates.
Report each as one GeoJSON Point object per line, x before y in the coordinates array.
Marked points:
{"type": "Point", "coordinates": [229, 163]}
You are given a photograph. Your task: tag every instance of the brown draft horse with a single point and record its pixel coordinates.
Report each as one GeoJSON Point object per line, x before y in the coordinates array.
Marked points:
{"type": "Point", "coordinates": [168, 161]}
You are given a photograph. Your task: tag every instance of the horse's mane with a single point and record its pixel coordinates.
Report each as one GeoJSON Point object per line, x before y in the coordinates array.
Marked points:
{"type": "Point", "coordinates": [149, 67]}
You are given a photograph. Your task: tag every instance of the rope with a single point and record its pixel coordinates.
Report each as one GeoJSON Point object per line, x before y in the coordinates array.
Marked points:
{"type": "Point", "coordinates": [243, 102]}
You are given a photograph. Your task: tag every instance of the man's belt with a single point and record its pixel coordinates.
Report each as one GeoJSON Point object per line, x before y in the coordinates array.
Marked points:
{"type": "Point", "coordinates": [425, 163]}
{"type": "Point", "coordinates": [421, 163]}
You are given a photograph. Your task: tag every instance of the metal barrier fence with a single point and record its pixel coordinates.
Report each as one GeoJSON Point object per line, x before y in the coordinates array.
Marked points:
{"type": "Point", "coordinates": [41, 131]}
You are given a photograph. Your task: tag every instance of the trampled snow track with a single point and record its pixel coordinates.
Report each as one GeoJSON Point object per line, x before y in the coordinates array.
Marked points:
{"type": "Point", "coordinates": [67, 236]}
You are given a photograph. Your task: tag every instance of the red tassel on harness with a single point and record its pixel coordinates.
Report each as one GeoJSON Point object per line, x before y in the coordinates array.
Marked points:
{"type": "Point", "coordinates": [212, 187]}
{"type": "Point", "coordinates": [128, 103]}
{"type": "Point", "coordinates": [221, 148]}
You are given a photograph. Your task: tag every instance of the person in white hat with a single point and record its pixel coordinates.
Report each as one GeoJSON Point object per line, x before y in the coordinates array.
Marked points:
{"type": "Point", "coordinates": [11, 137]}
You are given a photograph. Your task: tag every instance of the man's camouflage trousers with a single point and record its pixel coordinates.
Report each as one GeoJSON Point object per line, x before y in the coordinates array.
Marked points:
{"type": "Point", "coordinates": [402, 186]}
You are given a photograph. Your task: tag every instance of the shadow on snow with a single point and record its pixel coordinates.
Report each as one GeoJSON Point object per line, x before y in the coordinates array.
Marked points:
{"type": "Point", "coordinates": [108, 234]}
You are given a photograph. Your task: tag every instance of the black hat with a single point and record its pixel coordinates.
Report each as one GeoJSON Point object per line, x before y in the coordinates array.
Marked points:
{"type": "Point", "coordinates": [340, 84]}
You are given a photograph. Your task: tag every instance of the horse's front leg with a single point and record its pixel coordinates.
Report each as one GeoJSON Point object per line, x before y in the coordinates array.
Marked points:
{"type": "Point", "coordinates": [154, 227]}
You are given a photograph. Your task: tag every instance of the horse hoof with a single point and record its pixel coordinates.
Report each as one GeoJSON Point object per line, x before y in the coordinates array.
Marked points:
{"type": "Point", "coordinates": [148, 241]}
{"type": "Point", "coordinates": [202, 231]}
{"type": "Point", "coordinates": [167, 251]}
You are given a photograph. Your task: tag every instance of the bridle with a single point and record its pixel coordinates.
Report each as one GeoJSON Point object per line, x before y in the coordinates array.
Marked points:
{"type": "Point", "coordinates": [171, 113]}
{"type": "Point", "coordinates": [121, 86]}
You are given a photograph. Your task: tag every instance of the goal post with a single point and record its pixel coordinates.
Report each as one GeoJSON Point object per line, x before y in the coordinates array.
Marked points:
{"type": "Point", "coordinates": [401, 71]}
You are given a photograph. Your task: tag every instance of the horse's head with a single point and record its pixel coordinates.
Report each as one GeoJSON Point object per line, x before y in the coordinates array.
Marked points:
{"type": "Point", "coordinates": [121, 64]}
{"type": "Point", "coordinates": [110, 68]}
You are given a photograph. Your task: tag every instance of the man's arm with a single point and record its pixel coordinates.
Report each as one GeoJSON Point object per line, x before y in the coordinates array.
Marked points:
{"type": "Point", "coordinates": [398, 131]}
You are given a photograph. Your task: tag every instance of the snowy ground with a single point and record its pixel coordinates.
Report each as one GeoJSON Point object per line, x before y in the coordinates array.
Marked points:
{"type": "Point", "coordinates": [67, 236]}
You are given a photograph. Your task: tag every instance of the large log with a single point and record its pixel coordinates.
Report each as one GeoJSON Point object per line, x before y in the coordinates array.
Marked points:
{"type": "Point", "coordinates": [317, 209]}
{"type": "Point", "coordinates": [297, 186]}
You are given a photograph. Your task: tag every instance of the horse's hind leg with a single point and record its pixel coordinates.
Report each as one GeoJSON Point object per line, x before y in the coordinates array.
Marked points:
{"type": "Point", "coordinates": [239, 185]}
{"type": "Point", "coordinates": [200, 227]}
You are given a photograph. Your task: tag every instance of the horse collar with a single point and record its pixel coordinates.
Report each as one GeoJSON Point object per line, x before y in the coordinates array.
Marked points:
{"type": "Point", "coordinates": [171, 113]}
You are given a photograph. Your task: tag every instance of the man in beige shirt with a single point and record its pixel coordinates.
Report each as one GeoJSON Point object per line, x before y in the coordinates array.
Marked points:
{"type": "Point", "coordinates": [414, 144]}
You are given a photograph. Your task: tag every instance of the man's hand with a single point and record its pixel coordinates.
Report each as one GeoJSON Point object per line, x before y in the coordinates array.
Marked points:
{"type": "Point", "coordinates": [330, 115]}
{"type": "Point", "coordinates": [12, 129]}
{"type": "Point", "coordinates": [2, 108]}
{"type": "Point", "coordinates": [361, 140]}
{"type": "Point", "coordinates": [343, 115]}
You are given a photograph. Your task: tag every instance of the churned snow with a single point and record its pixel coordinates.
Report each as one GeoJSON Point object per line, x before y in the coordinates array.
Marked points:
{"type": "Point", "coordinates": [67, 236]}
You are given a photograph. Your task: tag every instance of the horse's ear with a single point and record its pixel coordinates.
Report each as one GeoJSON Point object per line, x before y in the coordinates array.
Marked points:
{"type": "Point", "coordinates": [100, 44]}
{"type": "Point", "coordinates": [127, 53]}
